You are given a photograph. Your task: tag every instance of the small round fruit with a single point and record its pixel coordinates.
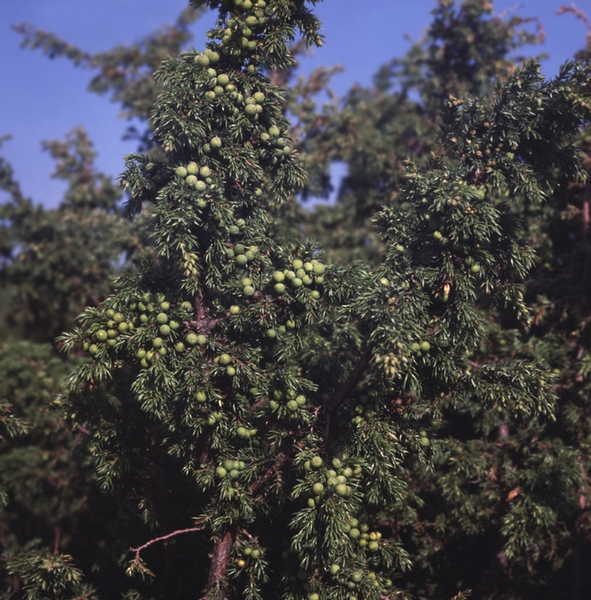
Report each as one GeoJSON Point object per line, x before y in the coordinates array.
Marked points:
{"type": "Point", "coordinates": [161, 318]}
{"type": "Point", "coordinates": [118, 317]}
{"type": "Point", "coordinates": [300, 400]}
{"type": "Point", "coordinates": [157, 342]}
{"type": "Point", "coordinates": [425, 346]}
{"type": "Point", "coordinates": [181, 171]}
{"type": "Point", "coordinates": [192, 168]}
{"type": "Point", "coordinates": [271, 333]}
{"type": "Point", "coordinates": [201, 339]}
{"type": "Point", "coordinates": [192, 339]}
{"type": "Point", "coordinates": [186, 305]}
{"type": "Point", "coordinates": [278, 276]}
{"type": "Point", "coordinates": [354, 533]}
{"type": "Point", "coordinates": [191, 180]}
{"type": "Point", "coordinates": [373, 546]}
{"type": "Point", "coordinates": [475, 268]}
{"type": "Point", "coordinates": [221, 472]}
{"type": "Point", "coordinates": [249, 290]}
{"type": "Point", "coordinates": [341, 489]}
{"type": "Point", "coordinates": [179, 347]}
{"type": "Point", "coordinates": [234, 310]}
{"type": "Point", "coordinates": [256, 553]}
{"type": "Point", "coordinates": [123, 327]}
{"type": "Point", "coordinates": [92, 349]}
{"type": "Point", "coordinates": [280, 288]}
{"type": "Point", "coordinates": [215, 142]}
{"type": "Point", "coordinates": [164, 330]}
{"type": "Point", "coordinates": [259, 97]}
{"type": "Point", "coordinates": [250, 110]}
{"type": "Point", "coordinates": [223, 80]}
{"type": "Point", "coordinates": [357, 576]}
{"type": "Point", "coordinates": [242, 259]}
{"type": "Point", "coordinates": [101, 335]}
{"type": "Point", "coordinates": [334, 569]}
{"type": "Point", "coordinates": [202, 60]}
{"type": "Point", "coordinates": [225, 359]}
{"type": "Point", "coordinates": [316, 462]}
{"type": "Point", "coordinates": [231, 371]}
{"type": "Point", "coordinates": [274, 131]}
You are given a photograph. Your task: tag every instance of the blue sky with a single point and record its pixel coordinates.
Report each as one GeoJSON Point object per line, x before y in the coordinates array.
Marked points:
{"type": "Point", "coordinates": [43, 99]}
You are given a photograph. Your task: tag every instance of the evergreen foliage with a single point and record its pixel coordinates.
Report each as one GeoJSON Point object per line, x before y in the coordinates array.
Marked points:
{"type": "Point", "coordinates": [264, 422]}
{"type": "Point", "coordinates": [60, 260]}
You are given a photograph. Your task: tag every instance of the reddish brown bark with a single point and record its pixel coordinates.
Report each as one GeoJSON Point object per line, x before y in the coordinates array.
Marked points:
{"type": "Point", "coordinates": [219, 565]}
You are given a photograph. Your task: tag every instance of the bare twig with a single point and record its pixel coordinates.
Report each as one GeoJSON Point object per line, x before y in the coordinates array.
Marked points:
{"type": "Point", "coordinates": [137, 550]}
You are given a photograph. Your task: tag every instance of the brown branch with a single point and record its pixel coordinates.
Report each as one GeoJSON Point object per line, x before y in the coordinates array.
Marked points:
{"type": "Point", "coordinates": [219, 563]}
{"type": "Point", "coordinates": [203, 322]}
{"type": "Point", "coordinates": [272, 470]}
{"type": "Point", "coordinates": [137, 550]}
{"type": "Point", "coordinates": [333, 402]}
{"type": "Point", "coordinates": [258, 404]}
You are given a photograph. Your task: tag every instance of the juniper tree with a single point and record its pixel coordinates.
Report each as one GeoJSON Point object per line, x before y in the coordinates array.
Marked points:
{"type": "Point", "coordinates": [55, 262]}
{"type": "Point", "coordinates": [257, 409]}
{"type": "Point", "coordinates": [265, 430]}
{"type": "Point", "coordinates": [465, 534]}
{"type": "Point", "coordinates": [464, 52]}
